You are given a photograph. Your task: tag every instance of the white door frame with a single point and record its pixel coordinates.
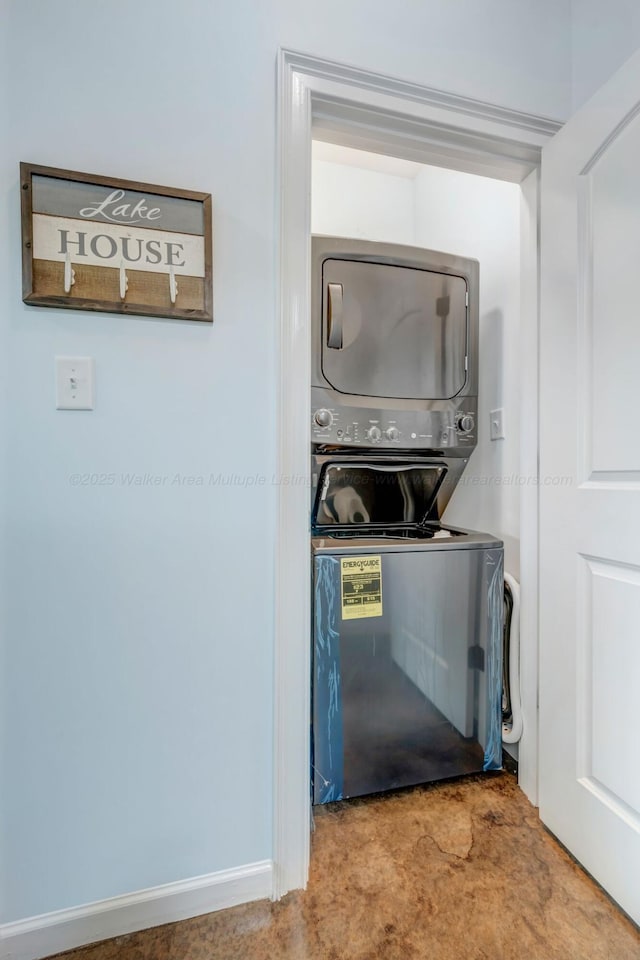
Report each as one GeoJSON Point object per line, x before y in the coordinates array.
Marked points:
{"type": "Point", "coordinates": [356, 107]}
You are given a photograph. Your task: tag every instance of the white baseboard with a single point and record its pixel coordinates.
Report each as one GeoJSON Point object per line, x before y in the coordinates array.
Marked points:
{"type": "Point", "coordinates": [51, 933]}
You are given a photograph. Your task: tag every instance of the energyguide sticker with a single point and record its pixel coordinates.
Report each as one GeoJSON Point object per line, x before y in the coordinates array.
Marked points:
{"type": "Point", "coordinates": [361, 582]}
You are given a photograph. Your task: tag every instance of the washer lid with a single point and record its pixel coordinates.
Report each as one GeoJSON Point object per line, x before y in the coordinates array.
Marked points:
{"type": "Point", "coordinates": [370, 496]}
{"type": "Point", "coordinates": [349, 544]}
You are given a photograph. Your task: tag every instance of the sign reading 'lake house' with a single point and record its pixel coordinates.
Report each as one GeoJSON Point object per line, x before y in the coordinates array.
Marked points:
{"type": "Point", "coordinates": [115, 245]}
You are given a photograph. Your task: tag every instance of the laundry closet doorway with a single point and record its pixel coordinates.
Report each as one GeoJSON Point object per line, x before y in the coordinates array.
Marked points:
{"type": "Point", "coordinates": [368, 196]}
{"type": "Point", "coordinates": [409, 207]}
{"type": "Point", "coordinates": [328, 102]}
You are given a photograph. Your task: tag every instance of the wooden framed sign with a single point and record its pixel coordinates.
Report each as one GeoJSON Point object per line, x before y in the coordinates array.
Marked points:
{"type": "Point", "coordinates": [100, 243]}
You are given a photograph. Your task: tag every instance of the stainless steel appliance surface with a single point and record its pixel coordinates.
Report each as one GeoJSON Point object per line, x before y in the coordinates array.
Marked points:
{"type": "Point", "coordinates": [405, 489]}
{"type": "Point", "coordinates": [406, 659]}
{"type": "Point", "coordinates": [407, 632]}
{"type": "Point", "coordinates": [407, 612]}
{"type": "Point", "coordinates": [395, 347]}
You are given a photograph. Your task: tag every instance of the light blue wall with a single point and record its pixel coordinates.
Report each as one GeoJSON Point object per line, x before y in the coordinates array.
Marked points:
{"type": "Point", "coordinates": [139, 622]}
{"type": "Point", "coordinates": [6, 198]}
{"type": "Point", "coordinates": [604, 35]}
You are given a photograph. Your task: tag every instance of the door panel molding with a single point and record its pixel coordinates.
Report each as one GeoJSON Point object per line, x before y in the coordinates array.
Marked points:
{"type": "Point", "coordinates": [609, 799]}
{"type": "Point", "coordinates": [612, 480]}
{"type": "Point", "coordinates": [610, 139]}
{"type": "Point", "coordinates": [596, 450]}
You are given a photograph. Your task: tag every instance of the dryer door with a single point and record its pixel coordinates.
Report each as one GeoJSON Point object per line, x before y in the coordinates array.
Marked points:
{"type": "Point", "coordinates": [391, 331]}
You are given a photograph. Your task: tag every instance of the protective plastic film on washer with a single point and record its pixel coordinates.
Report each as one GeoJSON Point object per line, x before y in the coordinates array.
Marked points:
{"type": "Point", "coordinates": [494, 560]}
{"type": "Point", "coordinates": [327, 753]}
{"type": "Point", "coordinates": [407, 677]}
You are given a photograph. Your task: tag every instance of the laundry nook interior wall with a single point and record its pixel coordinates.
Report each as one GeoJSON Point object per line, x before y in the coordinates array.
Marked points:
{"type": "Point", "coordinates": [355, 194]}
{"type": "Point", "coordinates": [93, 243]}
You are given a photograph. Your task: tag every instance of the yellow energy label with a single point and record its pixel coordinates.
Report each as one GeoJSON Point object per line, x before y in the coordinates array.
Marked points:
{"type": "Point", "coordinates": [361, 580]}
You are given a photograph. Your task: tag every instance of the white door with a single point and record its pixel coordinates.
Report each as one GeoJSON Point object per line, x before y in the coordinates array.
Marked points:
{"type": "Point", "coordinates": [590, 487]}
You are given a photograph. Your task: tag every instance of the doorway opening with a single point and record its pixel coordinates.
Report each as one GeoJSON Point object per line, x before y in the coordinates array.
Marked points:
{"type": "Point", "coordinates": [463, 153]}
{"type": "Point", "coordinates": [368, 196]}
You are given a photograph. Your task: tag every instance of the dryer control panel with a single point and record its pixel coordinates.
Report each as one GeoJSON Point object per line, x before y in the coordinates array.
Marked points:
{"type": "Point", "coordinates": [448, 425]}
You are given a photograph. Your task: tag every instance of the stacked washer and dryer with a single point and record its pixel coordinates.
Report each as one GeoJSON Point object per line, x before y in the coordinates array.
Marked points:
{"type": "Point", "coordinates": [407, 611]}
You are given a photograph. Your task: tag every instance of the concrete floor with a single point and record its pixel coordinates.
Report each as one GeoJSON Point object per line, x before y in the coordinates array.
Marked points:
{"type": "Point", "coordinates": [455, 871]}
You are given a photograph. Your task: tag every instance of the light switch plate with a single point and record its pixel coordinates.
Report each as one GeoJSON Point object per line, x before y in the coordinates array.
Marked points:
{"type": "Point", "coordinates": [74, 383]}
{"type": "Point", "coordinates": [496, 424]}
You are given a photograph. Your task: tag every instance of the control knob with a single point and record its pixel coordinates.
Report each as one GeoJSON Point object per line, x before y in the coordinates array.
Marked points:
{"type": "Point", "coordinates": [465, 423]}
{"type": "Point", "coordinates": [392, 433]}
{"type": "Point", "coordinates": [374, 434]}
{"type": "Point", "coordinates": [323, 417]}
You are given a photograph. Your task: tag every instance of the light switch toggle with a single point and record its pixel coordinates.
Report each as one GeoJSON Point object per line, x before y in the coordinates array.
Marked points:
{"type": "Point", "coordinates": [497, 424]}
{"type": "Point", "coordinates": [74, 383]}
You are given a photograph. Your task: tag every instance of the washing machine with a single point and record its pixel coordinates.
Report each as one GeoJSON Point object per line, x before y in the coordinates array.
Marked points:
{"type": "Point", "coordinates": [407, 631]}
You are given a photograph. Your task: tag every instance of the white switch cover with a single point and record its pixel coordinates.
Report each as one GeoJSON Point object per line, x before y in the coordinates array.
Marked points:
{"type": "Point", "coordinates": [497, 424]}
{"type": "Point", "coordinates": [74, 383]}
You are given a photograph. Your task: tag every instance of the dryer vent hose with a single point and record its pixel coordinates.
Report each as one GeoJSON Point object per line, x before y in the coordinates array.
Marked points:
{"type": "Point", "coordinates": [511, 702]}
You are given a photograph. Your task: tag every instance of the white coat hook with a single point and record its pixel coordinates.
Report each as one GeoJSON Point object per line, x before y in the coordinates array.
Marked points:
{"type": "Point", "coordinates": [173, 286]}
{"type": "Point", "coordinates": [69, 273]}
{"type": "Point", "coordinates": [124, 282]}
